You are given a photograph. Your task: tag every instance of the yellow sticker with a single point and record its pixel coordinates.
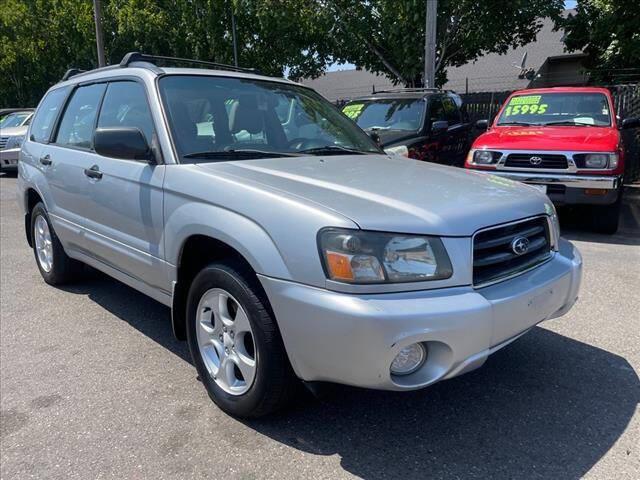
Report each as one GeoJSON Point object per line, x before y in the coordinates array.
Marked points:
{"type": "Point", "coordinates": [353, 110]}
{"type": "Point", "coordinates": [524, 109]}
{"type": "Point", "coordinates": [525, 100]}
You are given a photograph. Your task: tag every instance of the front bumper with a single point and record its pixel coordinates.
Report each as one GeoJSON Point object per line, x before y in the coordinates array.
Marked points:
{"type": "Point", "coordinates": [9, 158]}
{"type": "Point", "coordinates": [572, 187]}
{"type": "Point", "coordinates": [352, 339]}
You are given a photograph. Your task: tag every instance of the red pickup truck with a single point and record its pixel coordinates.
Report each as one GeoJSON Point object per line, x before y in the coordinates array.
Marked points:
{"type": "Point", "coordinates": [564, 141]}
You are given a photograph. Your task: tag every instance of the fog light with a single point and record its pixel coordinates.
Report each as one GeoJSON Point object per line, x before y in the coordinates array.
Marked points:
{"type": "Point", "coordinates": [409, 359]}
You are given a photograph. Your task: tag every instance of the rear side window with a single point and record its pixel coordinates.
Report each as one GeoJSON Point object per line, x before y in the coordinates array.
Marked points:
{"type": "Point", "coordinates": [46, 114]}
{"type": "Point", "coordinates": [78, 120]}
{"type": "Point", "coordinates": [451, 111]}
{"type": "Point", "coordinates": [125, 105]}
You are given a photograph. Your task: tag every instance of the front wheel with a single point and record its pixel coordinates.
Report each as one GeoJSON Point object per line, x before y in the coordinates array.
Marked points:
{"type": "Point", "coordinates": [235, 343]}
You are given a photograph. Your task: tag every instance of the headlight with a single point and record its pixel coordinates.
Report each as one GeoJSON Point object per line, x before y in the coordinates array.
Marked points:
{"type": "Point", "coordinates": [14, 142]}
{"type": "Point", "coordinates": [356, 256]}
{"type": "Point", "coordinates": [601, 160]}
{"type": "Point", "coordinates": [399, 150]}
{"type": "Point", "coordinates": [485, 157]}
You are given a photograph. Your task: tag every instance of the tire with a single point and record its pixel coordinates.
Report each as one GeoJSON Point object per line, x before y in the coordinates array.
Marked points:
{"type": "Point", "coordinates": [606, 218]}
{"type": "Point", "coordinates": [228, 342]}
{"type": "Point", "coordinates": [58, 269]}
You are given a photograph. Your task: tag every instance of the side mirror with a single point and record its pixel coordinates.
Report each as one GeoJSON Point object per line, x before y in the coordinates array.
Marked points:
{"type": "Point", "coordinates": [127, 143]}
{"type": "Point", "coordinates": [439, 126]}
{"type": "Point", "coordinates": [630, 123]}
{"type": "Point", "coordinates": [375, 137]}
{"type": "Point", "coordinates": [482, 124]}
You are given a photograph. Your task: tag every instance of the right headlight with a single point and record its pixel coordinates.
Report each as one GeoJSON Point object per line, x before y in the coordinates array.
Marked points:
{"type": "Point", "coordinates": [14, 142]}
{"type": "Point", "coordinates": [357, 256]}
{"type": "Point", "coordinates": [484, 157]}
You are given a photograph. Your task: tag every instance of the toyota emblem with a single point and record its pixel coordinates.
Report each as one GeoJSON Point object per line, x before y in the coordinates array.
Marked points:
{"type": "Point", "coordinates": [535, 160]}
{"type": "Point", "coordinates": [520, 245]}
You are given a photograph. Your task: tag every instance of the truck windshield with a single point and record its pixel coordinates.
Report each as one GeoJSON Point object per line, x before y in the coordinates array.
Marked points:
{"type": "Point", "coordinates": [571, 109]}
{"type": "Point", "coordinates": [386, 114]}
{"type": "Point", "coordinates": [223, 118]}
{"type": "Point", "coordinates": [15, 120]}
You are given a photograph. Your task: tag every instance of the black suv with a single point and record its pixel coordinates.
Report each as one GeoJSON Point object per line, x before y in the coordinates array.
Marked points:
{"type": "Point", "coordinates": [425, 124]}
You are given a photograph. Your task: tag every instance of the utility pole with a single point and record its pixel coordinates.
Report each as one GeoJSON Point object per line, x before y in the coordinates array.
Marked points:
{"type": "Point", "coordinates": [234, 36]}
{"type": "Point", "coordinates": [99, 43]}
{"type": "Point", "coordinates": [430, 44]}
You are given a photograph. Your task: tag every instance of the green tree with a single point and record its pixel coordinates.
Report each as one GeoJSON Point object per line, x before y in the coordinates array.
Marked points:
{"type": "Point", "coordinates": [387, 36]}
{"type": "Point", "coordinates": [608, 32]}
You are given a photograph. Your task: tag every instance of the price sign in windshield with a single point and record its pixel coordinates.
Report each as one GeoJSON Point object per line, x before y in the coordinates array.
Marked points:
{"type": "Point", "coordinates": [525, 104]}
{"type": "Point", "coordinates": [353, 111]}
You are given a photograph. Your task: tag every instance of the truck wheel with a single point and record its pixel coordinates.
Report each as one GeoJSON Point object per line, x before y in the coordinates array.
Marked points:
{"type": "Point", "coordinates": [55, 266]}
{"type": "Point", "coordinates": [235, 343]}
{"type": "Point", "coordinates": [606, 218]}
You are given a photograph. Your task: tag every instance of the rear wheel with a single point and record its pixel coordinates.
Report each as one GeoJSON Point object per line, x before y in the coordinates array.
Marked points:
{"type": "Point", "coordinates": [606, 218]}
{"type": "Point", "coordinates": [54, 264]}
{"type": "Point", "coordinates": [235, 344]}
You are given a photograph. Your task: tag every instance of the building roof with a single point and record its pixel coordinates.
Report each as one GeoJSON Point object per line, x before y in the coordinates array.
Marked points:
{"type": "Point", "coordinates": [491, 72]}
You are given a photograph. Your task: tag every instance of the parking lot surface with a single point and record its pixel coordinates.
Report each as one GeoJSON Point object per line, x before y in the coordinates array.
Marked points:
{"type": "Point", "coordinates": [93, 385]}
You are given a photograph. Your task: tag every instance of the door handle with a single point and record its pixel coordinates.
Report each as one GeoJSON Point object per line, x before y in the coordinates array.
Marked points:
{"type": "Point", "coordinates": [93, 172]}
{"type": "Point", "coordinates": [46, 160]}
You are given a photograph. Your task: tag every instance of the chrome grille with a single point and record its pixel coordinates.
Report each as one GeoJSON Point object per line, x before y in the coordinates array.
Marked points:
{"type": "Point", "coordinates": [540, 160]}
{"type": "Point", "coordinates": [3, 142]}
{"type": "Point", "coordinates": [494, 250]}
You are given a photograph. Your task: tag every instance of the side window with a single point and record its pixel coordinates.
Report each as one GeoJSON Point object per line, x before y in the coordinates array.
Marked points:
{"type": "Point", "coordinates": [451, 111]}
{"type": "Point", "coordinates": [46, 114]}
{"type": "Point", "coordinates": [436, 110]}
{"type": "Point", "coordinates": [77, 125]}
{"type": "Point", "coordinates": [125, 105]}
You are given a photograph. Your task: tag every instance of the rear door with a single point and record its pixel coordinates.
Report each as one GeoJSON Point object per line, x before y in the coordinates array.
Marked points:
{"type": "Point", "coordinates": [124, 221]}
{"type": "Point", "coordinates": [65, 160]}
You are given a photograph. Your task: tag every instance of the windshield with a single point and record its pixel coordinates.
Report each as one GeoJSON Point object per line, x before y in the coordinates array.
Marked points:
{"type": "Point", "coordinates": [15, 120]}
{"type": "Point", "coordinates": [222, 118]}
{"type": "Point", "coordinates": [557, 109]}
{"type": "Point", "coordinates": [386, 114]}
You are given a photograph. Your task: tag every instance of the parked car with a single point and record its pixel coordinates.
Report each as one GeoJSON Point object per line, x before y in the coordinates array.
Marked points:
{"type": "Point", "coordinates": [424, 124]}
{"type": "Point", "coordinates": [564, 141]}
{"type": "Point", "coordinates": [286, 243]}
{"type": "Point", "coordinates": [13, 128]}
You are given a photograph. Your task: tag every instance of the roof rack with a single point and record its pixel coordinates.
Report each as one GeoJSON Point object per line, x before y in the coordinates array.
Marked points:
{"type": "Point", "coordinates": [131, 57]}
{"type": "Point", "coordinates": [72, 72]}
{"type": "Point", "coordinates": [407, 90]}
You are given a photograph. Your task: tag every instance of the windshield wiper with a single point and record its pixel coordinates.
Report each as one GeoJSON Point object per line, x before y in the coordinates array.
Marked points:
{"type": "Point", "coordinates": [524, 124]}
{"type": "Point", "coordinates": [333, 150]}
{"type": "Point", "coordinates": [237, 154]}
{"type": "Point", "coordinates": [570, 123]}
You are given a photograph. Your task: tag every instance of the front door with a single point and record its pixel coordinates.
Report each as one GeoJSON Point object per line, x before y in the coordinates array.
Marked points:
{"type": "Point", "coordinates": [125, 221]}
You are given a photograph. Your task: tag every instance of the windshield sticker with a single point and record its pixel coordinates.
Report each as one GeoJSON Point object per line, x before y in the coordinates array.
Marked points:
{"type": "Point", "coordinates": [353, 111]}
{"type": "Point", "coordinates": [525, 104]}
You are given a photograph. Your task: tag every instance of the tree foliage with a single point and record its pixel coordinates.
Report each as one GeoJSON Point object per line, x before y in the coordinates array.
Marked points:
{"type": "Point", "coordinates": [608, 31]}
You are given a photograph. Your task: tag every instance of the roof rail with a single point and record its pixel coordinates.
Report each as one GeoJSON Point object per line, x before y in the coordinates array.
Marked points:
{"type": "Point", "coordinates": [408, 90]}
{"type": "Point", "coordinates": [72, 72]}
{"type": "Point", "coordinates": [142, 57]}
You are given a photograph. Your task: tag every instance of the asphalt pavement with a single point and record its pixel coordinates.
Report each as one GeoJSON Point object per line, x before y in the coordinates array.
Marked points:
{"type": "Point", "coordinates": [93, 385]}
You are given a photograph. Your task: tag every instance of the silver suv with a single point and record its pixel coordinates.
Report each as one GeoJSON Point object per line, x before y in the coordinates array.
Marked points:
{"type": "Point", "coordinates": [286, 243]}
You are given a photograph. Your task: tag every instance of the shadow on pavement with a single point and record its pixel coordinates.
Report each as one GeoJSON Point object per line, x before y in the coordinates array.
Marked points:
{"type": "Point", "coordinates": [546, 406]}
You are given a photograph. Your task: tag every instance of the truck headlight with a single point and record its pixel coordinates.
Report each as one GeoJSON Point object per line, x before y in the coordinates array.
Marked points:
{"type": "Point", "coordinates": [601, 160]}
{"type": "Point", "coordinates": [485, 157]}
{"type": "Point", "coordinates": [399, 150]}
{"type": "Point", "coordinates": [14, 142]}
{"type": "Point", "coordinates": [357, 256]}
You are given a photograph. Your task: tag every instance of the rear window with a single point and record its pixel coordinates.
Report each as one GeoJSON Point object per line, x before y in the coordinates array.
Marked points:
{"type": "Point", "coordinates": [47, 113]}
{"type": "Point", "coordinates": [386, 114]}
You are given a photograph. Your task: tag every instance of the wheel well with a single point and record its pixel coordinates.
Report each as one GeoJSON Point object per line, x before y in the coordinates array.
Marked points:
{"type": "Point", "coordinates": [197, 252]}
{"type": "Point", "coordinates": [32, 200]}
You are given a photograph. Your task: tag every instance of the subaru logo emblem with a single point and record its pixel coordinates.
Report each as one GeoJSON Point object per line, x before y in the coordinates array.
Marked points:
{"type": "Point", "coordinates": [520, 245]}
{"type": "Point", "coordinates": [535, 160]}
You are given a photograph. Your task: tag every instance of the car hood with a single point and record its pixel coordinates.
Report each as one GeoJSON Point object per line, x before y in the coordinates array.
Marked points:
{"type": "Point", "coordinates": [13, 131]}
{"type": "Point", "coordinates": [388, 193]}
{"type": "Point", "coordinates": [593, 139]}
{"type": "Point", "coordinates": [389, 137]}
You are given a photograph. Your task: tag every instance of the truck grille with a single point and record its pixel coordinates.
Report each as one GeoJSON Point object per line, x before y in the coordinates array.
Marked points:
{"type": "Point", "coordinates": [494, 249]}
{"type": "Point", "coordinates": [540, 160]}
{"type": "Point", "coordinates": [3, 142]}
